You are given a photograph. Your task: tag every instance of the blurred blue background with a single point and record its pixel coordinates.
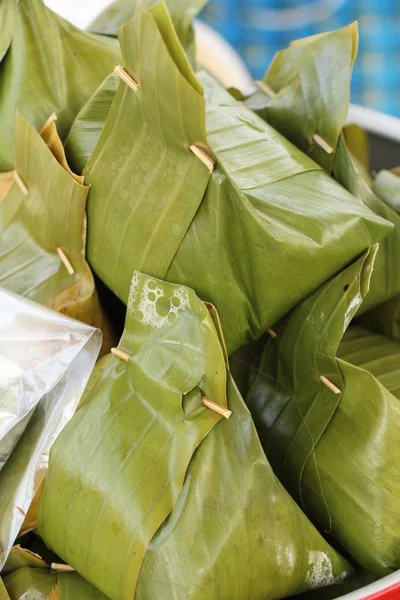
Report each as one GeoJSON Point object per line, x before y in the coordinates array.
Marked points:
{"type": "Point", "coordinates": [258, 28]}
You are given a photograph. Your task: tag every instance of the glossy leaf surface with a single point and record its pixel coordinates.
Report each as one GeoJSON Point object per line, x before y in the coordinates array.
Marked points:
{"type": "Point", "coordinates": [334, 451]}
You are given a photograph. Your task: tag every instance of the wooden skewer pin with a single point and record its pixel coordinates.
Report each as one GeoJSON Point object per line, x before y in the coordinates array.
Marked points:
{"type": "Point", "coordinates": [322, 143]}
{"type": "Point", "coordinates": [61, 568]}
{"type": "Point", "coordinates": [20, 183]}
{"type": "Point", "coordinates": [330, 385]}
{"type": "Point", "coordinates": [120, 354]}
{"type": "Point", "coordinates": [65, 261]}
{"type": "Point", "coordinates": [203, 156]}
{"type": "Point", "coordinates": [221, 410]}
{"type": "Point", "coordinates": [272, 333]}
{"type": "Point", "coordinates": [266, 89]}
{"type": "Point", "coordinates": [126, 78]}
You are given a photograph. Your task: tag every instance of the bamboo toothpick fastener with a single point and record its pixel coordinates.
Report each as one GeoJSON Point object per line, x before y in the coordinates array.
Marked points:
{"type": "Point", "coordinates": [65, 261]}
{"type": "Point", "coordinates": [120, 354]}
{"type": "Point", "coordinates": [62, 568]}
{"type": "Point", "coordinates": [322, 143]}
{"type": "Point", "coordinates": [126, 78]}
{"type": "Point", "coordinates": [330, 385]}
{"type": "Point", "coordinates": [264, 87]}
{"type": "Point", "coordinates": [272, 333]}
{"type": "Point", "coordinates": [221, 410]}
{"type": "Point", "coordinates": [20, 183]}
{"type": "Point", "coordinates": [203, 156]}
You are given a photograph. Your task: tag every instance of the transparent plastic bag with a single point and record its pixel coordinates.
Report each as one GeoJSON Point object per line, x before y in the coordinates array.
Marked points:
{"type": "Point", "coordinates": [45, 361]}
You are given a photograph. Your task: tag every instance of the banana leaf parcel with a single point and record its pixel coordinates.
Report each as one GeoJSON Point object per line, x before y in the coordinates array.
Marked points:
{"type": "Point", "coordinates": [325, 398]}
{"type": "Point", "coordinates": [152, 494]}
{"type": "Point", "coordinates": [28, 577]}
{"type": "Point", "coordinates": [43, 230]}
{"type": "Point", "coordinates": [46, 65]}
{"type": "Point", "coordinates": [305, 94]}
{"type": "Point", "coordinates": [228, 207]}
{"type": "Point", "coordinates": [45, 362]}
{"type": "Point", "coordinates": [385, 318]}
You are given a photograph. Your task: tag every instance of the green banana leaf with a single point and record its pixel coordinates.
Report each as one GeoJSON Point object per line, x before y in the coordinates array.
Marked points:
{"type": "Point", "coordinates": [312, 81]}
{"type": "Point", "coordinates": [250, 237]}
{"type": "Point", "coordinates": [385, 318]}
{"type": "Point", "coordinates": [357, 143]}
{"type": "Point", "coordinates": [28, 583]}
{"type": "Point", "coordinates": [138, 513]}
{"type": "Point", "coordinates": [27, 573]}
{"type": "Point", "coordinates": [355, 583]}
{"type": "Point", "coordinates": [182, 14]}
{"type": "Point", "coordinates": [334, 448]}
{"type": "Point", "coordinates": [72, 586]}
{"type": "Point", "coordinates": [377, 354]}
{"type": "Point", "coordinates": [385, 281]}
{"type": "Point", "coordinates": [306, 91]}
{"type": "Point", "coordinates": [46, 65]}
{"type": "Point", "coordinates": [7, 12]}
{"type": "Point", "coordinates": [88, 125]}
{"type": "Point", "coordinates": [50, 215]}
{"type": "Point", "coordinates": [3, 592]}
{"type": "Point", "coordinates": [46, 584]}
{"type": "Point", "coordinates": [19, 558]}
{"type": "Point", "coordinates": [387, 186]}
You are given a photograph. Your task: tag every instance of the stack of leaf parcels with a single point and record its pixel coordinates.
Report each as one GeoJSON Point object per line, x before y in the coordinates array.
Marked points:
{"type": "Point", "coordinates": [134, 185]}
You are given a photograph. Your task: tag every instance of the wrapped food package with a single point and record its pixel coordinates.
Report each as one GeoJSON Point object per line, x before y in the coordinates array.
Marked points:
{"type": "Point", "coordinates": [152, 493]}
{"type": "Point", "coordinates": [201, 191]}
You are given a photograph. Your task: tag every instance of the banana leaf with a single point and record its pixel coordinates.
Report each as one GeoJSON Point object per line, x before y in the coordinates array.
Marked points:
{"type": "Point", "coordinates": [357, 144]}
{"type": "Point", "coordinates": [250, 237]}
{"type": "Point", "coordinates": [385, 281]}
{"type": "Point", "coordinates": [377, 354]}
{"type": "Point", "coordinates": [47, 360]}
{"type": "Point", "coordinates": [46, 65]}
{"type": "Point", "coordinates": [42, 219]}
{"type": "Point", "coordinates": [333, 446]}
{"type": "Point", "coordinates": [182, 14]}
{"type": "Point", "coordinates": [88, 125]}
{"type": "Point", "coordinates": [385, 318]}
{"type": "Point", "coordinates": [46, 584]}
{"type": "Point", "coordinates": [26, 573]}
{"type": "Point", "coordinates": [27, 584]}
{"type": "Point", "coordinates": [131, 505]}
{"type": "Point", "coordinates": [3, 592]}
{"type": "Point", "coordinates": [335, 592]}
{"type": "Point", "coordinates": [306, 91]}
{"type": "Point", "coordinates": [387, 186]}
{"type": "Point", "coordinates": [20, 558]}
{"type": "Point", "coordinates": [7, 12]}
{"type": "Point", "coordinates": [312, 83]}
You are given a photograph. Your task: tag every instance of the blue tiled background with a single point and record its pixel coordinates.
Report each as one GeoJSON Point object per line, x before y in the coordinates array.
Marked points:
{"type": "Point", "coordinates": [258, 28]}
